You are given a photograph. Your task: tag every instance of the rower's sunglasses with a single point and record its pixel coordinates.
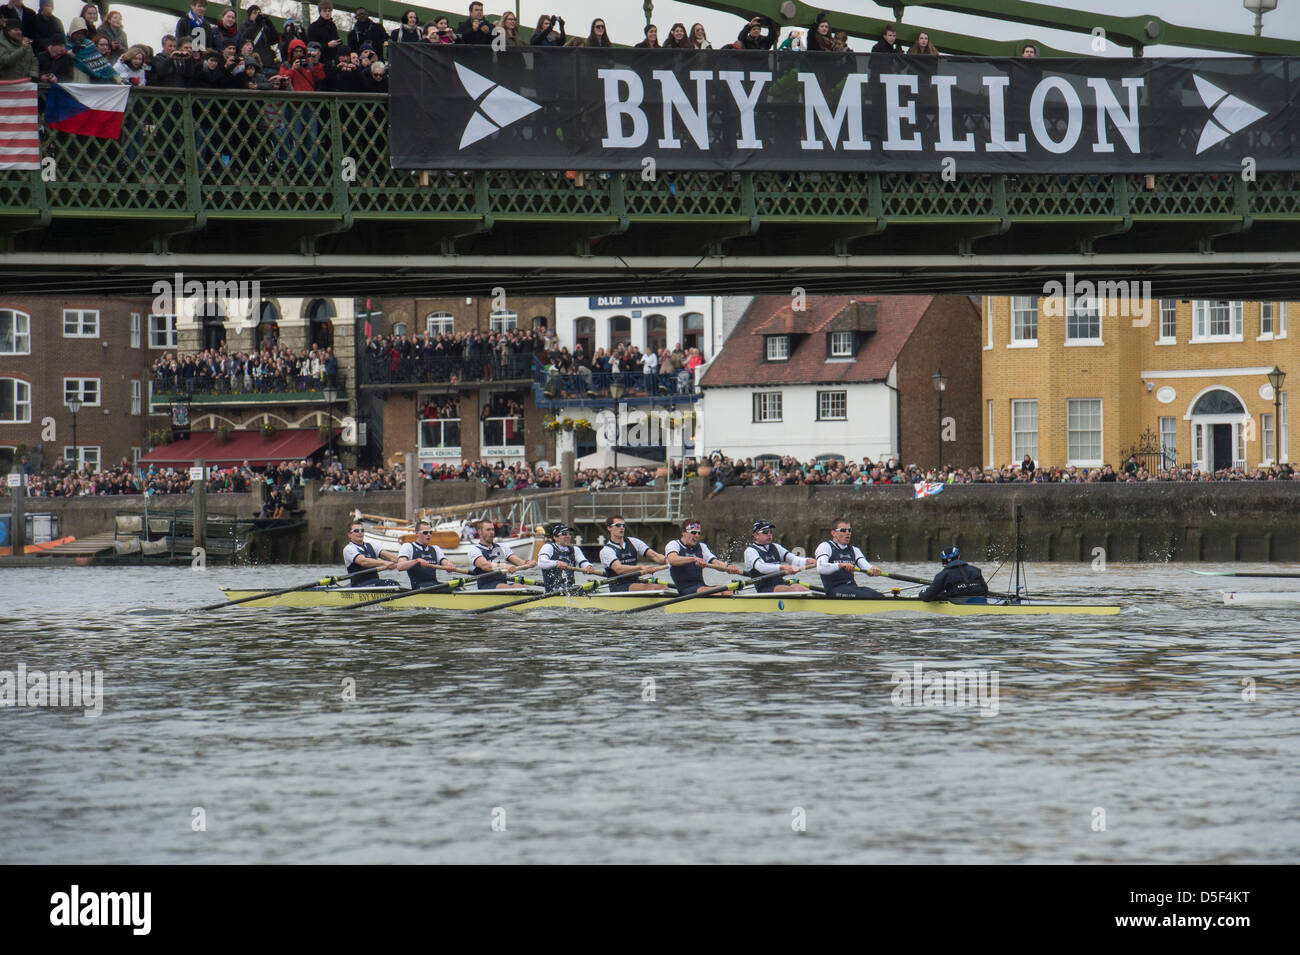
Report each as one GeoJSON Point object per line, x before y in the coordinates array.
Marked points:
{"type": "Point", "coordinates": [840, 530]}
{"type": "Point", "coordinates": [619, 524]}
{"type": "Point", "coordinates": [423, 533]}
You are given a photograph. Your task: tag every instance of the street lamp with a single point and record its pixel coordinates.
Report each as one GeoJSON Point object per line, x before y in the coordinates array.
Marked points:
{"type": "Point", "coordinates": [616, 392]}
{"type": "Point", "coordinates": [1275, 379]}
{"type": "Point", "coordinates": [330, 394]}
{"type": "Point", "coordinates": [74, 406]}
{"type": "Point", "coordinates": [940, 382]}
{"type": "Point", "coordinates": [1259, 8]}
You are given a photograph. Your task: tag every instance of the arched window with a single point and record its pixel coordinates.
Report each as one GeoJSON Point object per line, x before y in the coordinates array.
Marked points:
{"type": "Point", "coordinates": [320, 316]}
{"type": "Point", "coordinates": [693, 331]}
{"type": "Point", "coordinates": [268, 326]}
{"type": "Point", "coordinates": [620, 331]}
{"type": "Point", "coordinates": [1218, 402]}
{"type": "Point", "coordinates": [539, 323]}
{"type": "Point", "coordinates": [656, 332]}
{"type": "Point", "coordinates": [439, 323]}
{"type": "Point", "coordinates": [503, 320]}
{"type": "Point", "coordinates": [584, 334]}
{"type": "Point", "coordinates": [212, 320]}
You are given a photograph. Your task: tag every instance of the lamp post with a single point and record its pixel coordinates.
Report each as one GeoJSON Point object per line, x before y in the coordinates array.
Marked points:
{"type": "Point", "coordinates": [74, 406]}
{"type": "Point", "coordinates": [1259, 8]}
{"type": "Point", "coordinates": [1275, 379]}
{"type": "Point", "coordinates": [940, 382]}
{"type": "Point", "coordinates": [330, 394]}
{"type": "Point", "coordinates": [616, 392]}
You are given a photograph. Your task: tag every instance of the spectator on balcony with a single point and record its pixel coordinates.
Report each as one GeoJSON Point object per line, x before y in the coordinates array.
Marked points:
{"type": "Point", "coordinates": [365, 30]}
{"type": "Point", "coordinates": [548, 32]}
{"type": "Point", "coordinates": [17, 61]}
{"type": "Point", "coordinates": [440, 32]}
{"type": "Point", "coordinates": [888, 42]}
{"type": "Point", "coordinates": [1029, 51]}
{"type": "Point", "coordinates": [324, 31]}
{"type": "Point", "coordinates": [751, 35]}
{"type": "Point", "coordinates": [651, 41]}
{"type": "Point", "coordinates": [343, 76]}
{"type": "Point", "coordinates": [476, 29]}
{"type": "Point", "coordinates": [166, 67]}
{"type": "Point", "coordinates": [212, 73]}
{"type": "Point", "coordinates": [132, 67]}
{"type": "Point", "coordinates": [599, 35]}
{"type": "Point", "coordinates": [923, 46]}
{"type": "Point", "coordinates": [196, 24]}
{"type": "Point", "coordinates": [677, 38]}
{"type": "Point", "coordinates": [254, 78]}
{"type": "Point", "coordinates": [303, 73]}
{"type": "Point", "coordinates": [90, 13]}
{"type": "Point", "coordinates": [91, 66]}
{"type": "Point", "coordinates": [46, 27]}
{"type": "Point", "coordinates": [699, 39]}
{"type": "Point", "coordinates": [651, 367]}
{"type": "Point", "coordinates": [408, 30]}
{"type": "Point", "coordinates": [113, 29]}
{"type": "Point", "coordinates": [26, 17]}
{"type": "Point", "coordinates": [508, 24]}
{"type": "Point", "coordinates": [54, 64]}
{"type": "Point", "coordinates": [261, 32]}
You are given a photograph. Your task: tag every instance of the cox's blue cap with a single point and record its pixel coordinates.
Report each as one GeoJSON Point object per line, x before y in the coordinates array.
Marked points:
{"type": "Point", "coordinates": [952, 553]}
{"type": "Point", "coordinates": [760, 526]}
{"type": "Point", "coordinates": [561, 529]}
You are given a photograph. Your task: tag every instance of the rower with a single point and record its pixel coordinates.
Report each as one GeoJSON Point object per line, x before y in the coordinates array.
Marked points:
{"type": "Point", "coordinates": [687, 556]}
{"type": "Point", "coordinates": [358, 555]}
{"type": "Point", "coordinates": [558, 558]}
{"type": "Point", "coordinates": [425, 557]}
{"type": "Point", "coordinates": [488, 556]}
{"type": "Point", "coordinates": [766, 556]}
{"type": "Point", "coordinates": [958, 579]}
{"type": "Point", "coordinates": [838, 560]}
{"type": "Point", "coordinates": [621, 553]}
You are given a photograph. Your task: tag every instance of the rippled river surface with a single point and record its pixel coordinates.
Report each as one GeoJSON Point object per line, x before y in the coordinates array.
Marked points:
{"type": "Point", "coordinates": [1168, 733]}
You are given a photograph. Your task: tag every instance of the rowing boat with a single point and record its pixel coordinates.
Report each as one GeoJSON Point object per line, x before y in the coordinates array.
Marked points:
{"type": "Point", "coordinates": [1289, 599]}
{"type": "Point", "coordinates": [741, 603]}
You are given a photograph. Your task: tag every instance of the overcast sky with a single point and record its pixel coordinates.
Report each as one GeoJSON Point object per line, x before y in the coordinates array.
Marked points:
{"type": "Point", "coordinates": [625, 19]}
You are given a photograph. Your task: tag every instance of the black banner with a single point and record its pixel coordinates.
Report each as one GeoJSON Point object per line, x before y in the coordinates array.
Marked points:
{"type": "Point", "coordinates": [471, 107]}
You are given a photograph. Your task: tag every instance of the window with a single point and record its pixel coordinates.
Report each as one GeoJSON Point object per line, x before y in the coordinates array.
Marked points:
{"type": "Point", "coordinates": [841, 344]}
{"type": "Point", "coordinates": [584, 334]}
{"type": "Point", "coordinates": [85, 455]}
{"type": "Point", "coordinates": [656, 332]}
{"type": "Point", "coordinates": [990, 459]}
{"type": "Point", "coordinates": [503, 320]}
{"type": "Point", "coordinates": [162, 331]}
{"type": "Point", "coordinates": [135, 396]}
{"type": "Point", "coordinates": [1168, 321]}
{"type": "Point", "coordinates": [1267, 434]}
{"type": "Point", "coordinates": [160, 407]}
{"type": "Point", "coordinates": [693, 331]}
{"type": "Point", "coordinates": [135, 455]}
{"type": "Point", "coordinates": [1216, 321]}
{"type": "Point", "coordinates": [80, 323]}
{"type": "Point", "coordinates": [1024, 430]}
{"type": "Point", "coordinates": [15, 401]}
{"type": "Point", "coordinates": [1024, 320]}
{"type": "Point", "coordinates": [1281, 325]}
{"type": "Point", "coordinates": [767, 406]}
{"type": "Point", "coordinates": [439, 323]}
{"type": "Point", "coordinates": [1266, 320]}
{"type": "Point", "coordinates": [777, 347]}
{"type": "Point", "coordinates": [85, 390]}
{"type": "Point", "coordinates": [135, 330]}
{"type": "Point", "coordinates": [1283, 428]}
{"type": "Point", "coordinates": [399, 329]}
{"type": "Point", "coordinates": [832, 405]}
{"type": "Point", "coordinates": [440, 437]}
{"type": "Point", "coordinates": [1083, 430]}
{"type": "Point", "coordinates": [1083, 323]}
{"type": "Point", "coordinates": [620, 331]}
{"type": "Point", "coordinates": [15, 333]}
{"type": "Point", "coordinates": [1169, 441]}
{"type": "Point", "coordinates": [988, 321]}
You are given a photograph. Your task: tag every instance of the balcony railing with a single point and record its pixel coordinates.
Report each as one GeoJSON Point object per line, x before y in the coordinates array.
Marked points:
{"type": "Point", "coordinates": [203, 389]}
{"type": "Point", "coordinates": [588, 384]}
{"type": "Point", "coordinates": [420, 370]}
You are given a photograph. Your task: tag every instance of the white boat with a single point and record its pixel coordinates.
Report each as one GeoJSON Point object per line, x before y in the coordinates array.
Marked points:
{"type": "Point", "coordinates": [1261, 599]}
{"type": "Point", "coordinates": [455, 535]}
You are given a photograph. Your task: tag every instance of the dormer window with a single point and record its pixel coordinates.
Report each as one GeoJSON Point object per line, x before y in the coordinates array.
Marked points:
{"type": "Point", "coordinates": [777, 347]}
{"type": "Point", "coordinates": [841, 344]}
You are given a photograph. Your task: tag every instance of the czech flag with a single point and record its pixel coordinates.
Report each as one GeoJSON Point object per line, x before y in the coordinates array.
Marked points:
{"type": "Point", "coordinates": [927, 488]}
{"type": "Point", "coordinates": [87, 109]}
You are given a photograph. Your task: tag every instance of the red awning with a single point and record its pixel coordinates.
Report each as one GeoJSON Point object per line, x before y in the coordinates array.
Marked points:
{"type": "Point", "coordinates": [292, 444]}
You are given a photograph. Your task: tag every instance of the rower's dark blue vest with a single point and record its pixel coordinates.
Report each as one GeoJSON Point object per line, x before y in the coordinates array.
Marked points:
{"type": "Point", "coordinates": [423, 576]}
{"type": "Point", "coordinates": [366, 551]}
{"type": "Point", "coordinates": [555, 579]}
{"type": "Point", "coordinates": [686, 576]}
{"type": "Point", "coordinates": [839, 555]}
{"type": "Point", "coordinates": [624, 553]}
{"type": "Point", "coordinates": [494, 554]}
{"type": "Point", "coordinates": [772, 556]}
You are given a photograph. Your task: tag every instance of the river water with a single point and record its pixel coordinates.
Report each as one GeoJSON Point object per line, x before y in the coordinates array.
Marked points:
{"type": "Point", "coordinates": [1167, 733]}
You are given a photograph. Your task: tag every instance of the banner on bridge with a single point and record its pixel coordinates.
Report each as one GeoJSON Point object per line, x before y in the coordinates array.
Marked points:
{"type": "Point", "coordinates": [471, 107]}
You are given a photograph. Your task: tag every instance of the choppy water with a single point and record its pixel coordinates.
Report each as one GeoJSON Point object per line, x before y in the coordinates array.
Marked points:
{"type": "Point", "coordinates": [546, 718]}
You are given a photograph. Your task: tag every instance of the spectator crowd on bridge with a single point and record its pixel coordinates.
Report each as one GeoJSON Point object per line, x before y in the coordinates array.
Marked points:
{"type": "Point", "coordinates": [246, 50]}
{"type": "Point", "coordinates": [452, 356]}
{"type": "Point", "coordinates": [271, 368]}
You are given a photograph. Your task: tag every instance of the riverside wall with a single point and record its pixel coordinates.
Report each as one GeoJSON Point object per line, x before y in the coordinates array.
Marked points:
{"type": "Point", "coordinates": [1245, 521]}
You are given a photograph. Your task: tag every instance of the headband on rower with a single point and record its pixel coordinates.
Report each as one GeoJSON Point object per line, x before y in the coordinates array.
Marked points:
{"type": "Point", "coordinates": [561, 529]}
{"type": "Point", "coordinates": [760, 526]}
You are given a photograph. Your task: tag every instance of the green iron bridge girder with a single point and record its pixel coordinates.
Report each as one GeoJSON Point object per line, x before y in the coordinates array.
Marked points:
{"type": "Point", "coordinates": [297, 190]}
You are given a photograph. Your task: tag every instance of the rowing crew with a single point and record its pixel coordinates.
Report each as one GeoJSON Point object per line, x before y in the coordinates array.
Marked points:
{"type": "Point", "coordinates": [837, 561]}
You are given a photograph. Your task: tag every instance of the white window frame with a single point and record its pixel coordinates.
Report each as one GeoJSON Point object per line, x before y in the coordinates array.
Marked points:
{"type": "Point", "coordinates": [81, 316]}
{"type": "Point", "coordinates": [1100, 432]}
{"type": "Point", "coordinates": [136, 454]}
{"type": "Point", "coordinates": [441, 319]}
{"type": "Point", "coordinates": [20, 338]}
{"type": "Point", "coordinates": [137, 399]}
{"type": "Point", "coordinates": [1074, 314]}
{"type": "Point", "coordinates": [503, 320]}
{"type": "Point", "coordinates": [827, 398]}
{"type": "Point", "coordinates": [162, 408]}
{"type": "Point", "coordinates": [80, 385]}
{"type": "Point", "coordinates": [1202, 321]}
{"type": "Point", "coordinates": [168, 330]}
{"type": "Point", "coordinates": [776, 348]}
{"type": "Point", "coordinates": [988, 322]}
{"type": "Point", "coordinates": [1267, 438]}
{"type": "Point", "coordinates": [841, 344]}
{"type": "Point", "coordinates": [443, 450]}
{"type": "Point", "coordinates": [991, 458]}
{"type": "Point", "coordinates": [1019, 312]}
{"type": "Point", "coordinates": [1281, 323]}
{"type": "Point", "coordinates": [81, 455]}
{"type": "Point", "coordinates": [136, 325]}
{"type": "Point", "coordinates": [1168, 309]}
{"type": "Point", "coordinates": [1018, 448]}
{"type": "Point", "coordinates": [19, 402]}
{"type": "Point", "coordinates": [767, 407]}
{"type": "Point", "coordinates": [1282, 429]}
{"type": "Point", "coordinates": [1266, 311]}
{"type": "Point", "coordinates": [1171, 433]}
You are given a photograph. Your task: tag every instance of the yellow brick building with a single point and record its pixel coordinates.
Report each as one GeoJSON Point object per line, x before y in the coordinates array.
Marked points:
{"type": "Point", "coordinates": [1085, 385]}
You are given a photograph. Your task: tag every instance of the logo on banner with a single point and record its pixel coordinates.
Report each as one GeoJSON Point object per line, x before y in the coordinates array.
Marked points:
{"type": "Point", "coordinates": [495, 106]}
{"type": "Point", "coordinates": [1228, 114]}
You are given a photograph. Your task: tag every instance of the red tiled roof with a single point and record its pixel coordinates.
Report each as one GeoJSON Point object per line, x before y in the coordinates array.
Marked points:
{"type": "Point", "coordinates": [741, 361]}
{"type": "Point", "coordinates": [291, 444]}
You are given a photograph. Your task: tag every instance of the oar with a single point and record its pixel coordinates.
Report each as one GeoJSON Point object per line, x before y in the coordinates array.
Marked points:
{"type": "Point", "coordinates": [1241, 573]}
{"type": "Point", "coordinates": [431, 589]}
{"type": "Point", "coordinates": [323, 582]}
{"type": "Point", "coordinates": [706, 592]}
{"type": "Point", "coordinates": [585, 588]}
{"type": "Point", "coordinates": [920, 580]}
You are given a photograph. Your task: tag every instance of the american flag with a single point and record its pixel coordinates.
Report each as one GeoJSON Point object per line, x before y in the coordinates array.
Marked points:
{"type": "Point", "coordinates": [927, 488]}
{"type": "Point", "coordinates": [20, 145]}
